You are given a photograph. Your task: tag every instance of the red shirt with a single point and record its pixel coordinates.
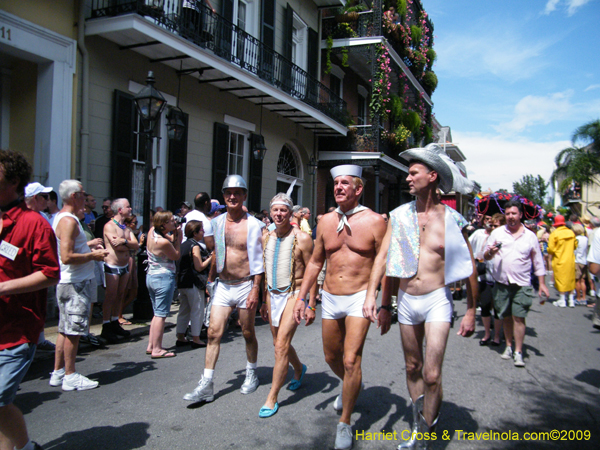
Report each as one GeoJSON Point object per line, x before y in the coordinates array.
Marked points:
{"type": "Point", "coordinates": [22, 316]}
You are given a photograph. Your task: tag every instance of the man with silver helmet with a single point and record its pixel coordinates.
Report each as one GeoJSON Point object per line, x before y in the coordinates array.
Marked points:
{"type": "Point", "coordinates": [424, 250]}
{"type": "Point", "coordinates": [239, 267]}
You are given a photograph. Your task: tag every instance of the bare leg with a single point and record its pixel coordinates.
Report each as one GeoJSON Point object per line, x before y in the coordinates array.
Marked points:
{"type": "Point", "coordinates": [412, 345]}
{"type": "Point", "coordinates": [519, 332]}
{"type": "Point", "coordinates": [507, 323]}
{"type": "Point", "coordinates": [13, 431]}
{"type": "Point", "coordinates": [157, 330]}
{"type": "Point", "coordinates": [117, 305]}
{"type": "Point", "coordinates": [487, 325]}
{"type": "Point", "coordinates": [246, 318]}
{"type": "Point", "coordinates": [112, 288]}
{"type": "Point", "coordinates": [59, 353]}
{"type": "Point", "coordinates": [497, 329]}
{"type": "Point", "coordinates": [436, 334]}
{"type": "Point", "coordinates": [218, 320]}
{"type": "Point", "coordinates": [282, 340]}
{"type": "Point", "coordinates": [343, 341]}
{"type": "Point", "coordinates": [71, 344]}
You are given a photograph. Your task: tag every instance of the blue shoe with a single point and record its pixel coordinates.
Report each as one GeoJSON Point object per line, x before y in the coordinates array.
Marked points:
{"type": "Point", "coordinates": [268, 412]}
{"type": "Point", "coordinates": [295, 384]}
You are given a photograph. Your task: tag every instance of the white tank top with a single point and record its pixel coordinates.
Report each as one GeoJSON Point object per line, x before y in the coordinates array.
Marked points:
{"type": "Point", "coordinates": [74, 273]}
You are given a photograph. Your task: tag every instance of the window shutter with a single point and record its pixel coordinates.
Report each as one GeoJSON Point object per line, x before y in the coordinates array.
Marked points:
{"type": "Point", "coordinates": [123, 145]}
{"type": "Point", "coordinates": [313, 65]}
{"type": "Point", "coordinates": [287, 32]}
{"type": "Point", "coordinates": [268, 39]}
{"type": "Point", "coordinates": [177, 169]}
{"type": "Point", "coordinates": [220, 148]}
{"type": "Point", "coordinates": [255, 182]}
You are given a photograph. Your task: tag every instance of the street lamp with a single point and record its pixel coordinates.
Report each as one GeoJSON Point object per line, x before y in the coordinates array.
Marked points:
{"type": "Point", "coordinates": [258, 148]}
{"type": "Point", "coordinates": [150, 104]}
{"type": "Point", "coordinates": [175, 125]}
{"type": "Point", "coordinates": [313, 164]}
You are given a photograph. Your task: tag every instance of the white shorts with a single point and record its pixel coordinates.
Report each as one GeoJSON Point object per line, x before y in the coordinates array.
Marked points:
{"type": "Point", "coordinates": [278, 303]}
{"type": "Point", "coordinates": [437, 306]}
{"type": "Point", "coordinates": [340, 306]}
{"type": "Point", "coordinates": [232, 295]}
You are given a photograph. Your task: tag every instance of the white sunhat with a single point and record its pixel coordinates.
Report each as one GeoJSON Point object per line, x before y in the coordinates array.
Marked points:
{"type": "Point", "coordinates": [36, 188]}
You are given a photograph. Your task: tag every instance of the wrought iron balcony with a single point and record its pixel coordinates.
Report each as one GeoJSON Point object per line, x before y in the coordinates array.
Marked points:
{"type": "Point", "coordinates": [226, 40]}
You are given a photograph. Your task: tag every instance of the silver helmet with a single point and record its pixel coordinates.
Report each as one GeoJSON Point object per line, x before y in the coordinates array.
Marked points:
{"type": "Point", "coordinates": [234, 181]}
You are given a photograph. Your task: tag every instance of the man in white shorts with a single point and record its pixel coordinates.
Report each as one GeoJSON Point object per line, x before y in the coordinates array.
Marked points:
{"type": "Point", "coordinates": [76, 287]}
{"type": "Point", "coordinates": [287, 252]}
{"type": "Point", "coordinates": [426, 250]}
{"type": "Point", "coordinates": [348, 239]}
{"type": "Point", "coordinates": [239, 265]}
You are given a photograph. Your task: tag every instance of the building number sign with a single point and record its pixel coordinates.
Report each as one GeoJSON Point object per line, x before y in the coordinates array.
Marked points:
{"type": "Point", "coordinates": [5, 33]}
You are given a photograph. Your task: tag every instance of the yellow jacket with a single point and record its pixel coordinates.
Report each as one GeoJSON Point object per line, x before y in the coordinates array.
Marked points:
{"type": "Point", "coordinates": [562, 245]}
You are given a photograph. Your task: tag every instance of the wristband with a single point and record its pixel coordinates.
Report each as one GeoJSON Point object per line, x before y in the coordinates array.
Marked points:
{"type": "Point", "coordinates": [312, 308]}
{"type": "Point", "coordinates": [386, 307]}
{"type": "Point", "coordinates": [299, 299]}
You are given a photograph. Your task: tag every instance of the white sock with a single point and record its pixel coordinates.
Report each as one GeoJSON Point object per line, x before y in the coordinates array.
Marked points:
{"type": "Point", "coordinates": [60, 371]}
{"type": "Point", "coordinates": [105, 321]}
{"type": "Point", "coordinates": [70, 377]}
{"type": "Point", "coordinates": [113, 318]}
{"type": "Point", "coordinates": [28, 446]}
{"type": "Point", "coordinates": [250, 365]}
{"type": "Point", "coordinates": [209, 373]}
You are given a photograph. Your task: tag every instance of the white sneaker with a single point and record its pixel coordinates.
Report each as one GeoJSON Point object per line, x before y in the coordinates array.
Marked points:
{"type": "Point", "coordinates": [203, 393]}
{"type": "Point", "coordinates": [343, 436]}
{"type": "Point", "coordinates": [508, 353]}
{"type": "Point", "coordinates": [250, 383]}
{"type": "Point", "coordinates": [77, 382]}
{"type": "Point", "coordinates": [56, 377]}
{"type": "Point", "coordinates": [560, 303]}
{"type": "Point", "coordinates": [519, 359]}
{"type": "Point", "coordinates": [337, 403]}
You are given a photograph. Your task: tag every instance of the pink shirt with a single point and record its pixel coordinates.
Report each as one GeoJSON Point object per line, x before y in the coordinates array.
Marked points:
{"type": "Point", "coordinates": [512, 264]}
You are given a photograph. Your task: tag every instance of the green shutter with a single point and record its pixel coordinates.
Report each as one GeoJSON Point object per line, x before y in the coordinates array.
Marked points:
{"type": "Point", "coordinates": [123, 145]}
{"type": "Point", "coordinates": [220, 149]}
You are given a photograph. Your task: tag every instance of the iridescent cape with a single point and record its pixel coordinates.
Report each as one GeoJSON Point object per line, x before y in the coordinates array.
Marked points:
{"type": "Point", "coordinates": [253, 243]}
{"type": "Point", "coordinates": [403, 253]}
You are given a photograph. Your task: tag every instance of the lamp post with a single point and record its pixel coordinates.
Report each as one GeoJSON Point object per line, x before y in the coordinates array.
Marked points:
{"type": "Point", "coordinates": [150, 105]}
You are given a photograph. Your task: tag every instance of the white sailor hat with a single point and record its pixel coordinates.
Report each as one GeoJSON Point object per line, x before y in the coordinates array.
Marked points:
{"type": "Point", "coordinates": [346, 169]}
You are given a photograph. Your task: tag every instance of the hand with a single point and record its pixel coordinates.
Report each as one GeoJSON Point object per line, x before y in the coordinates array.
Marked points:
{"type": "Point", "coordinates": [370, 309]}
{"type": "Point", "coordinates": [309, 315]}
{"type": "Point", "coordinates": [384, 320]}
{"type": "Point", "coordinates": [252, 301]}
{"type": "Point", "coordinates": [494, 249]}
{"type": "Point", "coordinates": [264, 312]}
{"type": "Point", "coordinates": [299, 308]}
{"type": "Point", "coordinates": [142, 238]}
{"type": "Point", "coordinates": [115, 241]}
{"type": "Point", "coordinates": [97, 243]}
{"type": "Point", "coordinates": [467, 324]}
{"type": "Point", "coordinates": [544, 290]}
{"type": "Point", "coordinates": [99, 255]}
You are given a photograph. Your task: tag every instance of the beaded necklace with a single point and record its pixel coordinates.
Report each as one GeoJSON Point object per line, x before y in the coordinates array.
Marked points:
{"type": "Point", "coordinates": [121, 226]}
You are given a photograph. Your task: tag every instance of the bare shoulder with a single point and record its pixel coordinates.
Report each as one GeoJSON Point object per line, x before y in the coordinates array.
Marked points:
{"type": "Point", "coordinates": [304, 239]}
{"type": "Point", "coordinates": [375, 220]}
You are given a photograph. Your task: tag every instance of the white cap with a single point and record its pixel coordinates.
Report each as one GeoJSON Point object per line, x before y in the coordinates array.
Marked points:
{"type": "Point", "coordinates": [346, 169]}
{"type": "Point", "coordinates": [36, 188]}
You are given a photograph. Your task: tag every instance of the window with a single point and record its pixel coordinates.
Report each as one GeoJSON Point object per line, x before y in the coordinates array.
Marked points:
{"type": "Point", "coordinates": [289, 169]}
{"type": "Point", "coordinates": [361, 113]}
{"type": "Point", "coordinates": [235, 154]}
{"type": "Point", "coordinates": [335, 80]}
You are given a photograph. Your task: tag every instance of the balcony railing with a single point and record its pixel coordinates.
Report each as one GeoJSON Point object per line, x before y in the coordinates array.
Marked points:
{"type": "Point", "coordinates": [213, 32]}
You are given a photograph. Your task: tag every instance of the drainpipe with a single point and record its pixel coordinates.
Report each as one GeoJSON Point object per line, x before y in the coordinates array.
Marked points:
{"type": "Point", "coordinates": [85, 97]}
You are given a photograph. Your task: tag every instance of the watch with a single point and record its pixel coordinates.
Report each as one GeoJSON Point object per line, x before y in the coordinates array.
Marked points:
{"type": "Point", "coordinates": [386, 307]}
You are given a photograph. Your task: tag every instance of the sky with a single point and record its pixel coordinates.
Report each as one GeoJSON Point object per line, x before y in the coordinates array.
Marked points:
{"type": "Point", "coordinates": [515, 79]}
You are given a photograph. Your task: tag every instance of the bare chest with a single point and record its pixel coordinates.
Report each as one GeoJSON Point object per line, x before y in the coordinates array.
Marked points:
{"type": "Point", "coordinates": [236, 234]}
{"type": "Point", "coordinates": [432, 234]}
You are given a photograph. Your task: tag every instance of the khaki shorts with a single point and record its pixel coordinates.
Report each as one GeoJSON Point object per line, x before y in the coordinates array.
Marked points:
{"type": "Point", "coordinates": [580, 271]}
{"type": "Point", "coordinates": [512, 300]}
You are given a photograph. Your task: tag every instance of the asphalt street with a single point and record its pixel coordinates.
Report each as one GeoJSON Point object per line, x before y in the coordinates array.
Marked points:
{"type": "Point", "coordinates": [139, 402]}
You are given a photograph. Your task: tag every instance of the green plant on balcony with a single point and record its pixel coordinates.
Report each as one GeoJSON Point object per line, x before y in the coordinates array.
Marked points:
{"type": "Point", "coordinates": [328, 54]}
{"type": "Point", "coordinates": [431, 57]}
{"type": "Point", "coordinates": [343, 30]}
{"type": "Point", "coordinates": [401, 8]}
{"type": "Point", "coordinates": [350, 12]}
{"type": "Point", "coordinates": [415, 35]}
{"type": "Point", "coordinates": [429, 82]}
{"type": "Point", "coordinates": [412, 121]}
{"type": "Point", "coordinates": [428, 135]}
{"type": "Point", "coordinates": [381, 84]}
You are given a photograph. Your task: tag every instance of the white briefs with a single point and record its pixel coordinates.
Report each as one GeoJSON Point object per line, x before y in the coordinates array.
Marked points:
{"type": "Point", "coordinates": [232, 295]}
{"type": "Point", "coordinates": [437, 306]}
{"type": "Point", "coordinates": [340, 306]}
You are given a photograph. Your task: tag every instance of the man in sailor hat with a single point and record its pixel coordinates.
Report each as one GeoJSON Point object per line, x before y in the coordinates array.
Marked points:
{"type": "Point", "coordinates": [239, 267]}
{"type": "Point", "coordinates": [425, 250]}
{"type": "Point", "coordinates": [348, 239]}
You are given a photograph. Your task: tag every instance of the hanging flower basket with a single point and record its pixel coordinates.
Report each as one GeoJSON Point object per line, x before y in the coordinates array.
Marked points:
{"type": "Point", "coordinates": [348, 17]}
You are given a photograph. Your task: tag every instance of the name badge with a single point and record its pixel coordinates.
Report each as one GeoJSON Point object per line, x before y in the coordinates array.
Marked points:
{"type": "Point", "coordinates": [8, 250]}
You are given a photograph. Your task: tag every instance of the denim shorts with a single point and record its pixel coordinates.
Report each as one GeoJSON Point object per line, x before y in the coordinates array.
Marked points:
{"type": "Point", "coordinates": [161, 287]}
{"type": "Point", "coordinates": [14, 363]}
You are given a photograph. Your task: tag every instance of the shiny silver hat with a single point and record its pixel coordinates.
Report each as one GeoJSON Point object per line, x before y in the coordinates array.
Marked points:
{"type": "Point", "coordinates": [234, 181]}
